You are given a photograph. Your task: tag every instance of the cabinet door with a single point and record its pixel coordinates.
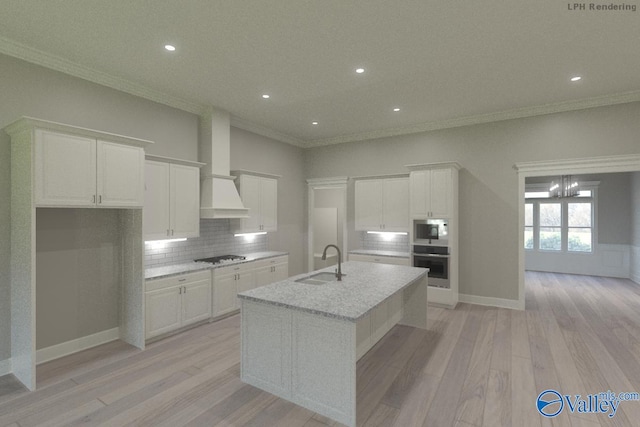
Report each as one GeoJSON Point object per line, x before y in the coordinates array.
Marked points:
{"type": "Point", "coordinates": [269, 204]}
{"type": "Point", "coordinates": [196, 302]}
{"type": "Point", "coordinates": [395, 204]}
{"type": "Point", "coordinates": [224, 294]}
{"type": "Point", "coordinates": [263, 276]}
{"type": "Point", "coordinates": [368, 204]}
{"type": "Point", "coordinates": [65, 170]}
{"type": "Point", "coordinates": [155, 216]}
{"type": "Point", "coordinates": [280, 272]}
{"type": "Point", "coordinates": [246, 281]}
{"type": "Point", "coordinates": [419, 182]}
{"type": "Point", "coordinates": [162, 311]}
{"type": "Point", "coordinates": [184, 205]}
{"type": "Point", "coordinates": [250, 188]}
{"type": "Point", "coordinates": [440, 192]}
{"type": "Point", "coordinates": [120, 175]}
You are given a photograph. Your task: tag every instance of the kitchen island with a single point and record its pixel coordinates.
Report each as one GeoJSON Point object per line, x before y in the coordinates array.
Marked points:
{"type": "Point", "coordinates": [301, 337]}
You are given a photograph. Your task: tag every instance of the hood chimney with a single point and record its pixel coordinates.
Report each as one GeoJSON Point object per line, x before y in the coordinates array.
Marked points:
{"type": "Point", "coordinates": [219, 197]}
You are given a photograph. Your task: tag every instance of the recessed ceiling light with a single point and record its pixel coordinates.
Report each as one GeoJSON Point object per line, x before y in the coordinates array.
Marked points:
{"type": "Point", "coordinates": [576, 78]}
{"type": "Point", "coordinates": [170, 47]}
{"type": "Point", "coordinates": [314, 123]}
{"type": "Point", "coordinates": [359, 70]}
{"type": "Point", "coordinates": [396, 109]}
{"type": "Point", "coordinates": [265, 96]}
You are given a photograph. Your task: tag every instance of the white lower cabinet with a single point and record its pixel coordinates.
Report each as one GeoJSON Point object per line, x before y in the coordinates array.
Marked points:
{"type": "Point", "coordinates": [271, 270]}
{"type": "Point", "coordinates": [228, 281]}
{"type": "Point", "coordinates": [380, 259]}
{"type": "Point", "coordinates": [174, 302]}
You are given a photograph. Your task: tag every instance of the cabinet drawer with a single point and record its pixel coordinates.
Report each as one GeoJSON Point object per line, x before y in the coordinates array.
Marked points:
{"type": "Point", "coordinates": [181, 280]}
{"type": "Point", "coordinates": [232, 269]}
{"type": "Point", "coordinates": [271, 261]}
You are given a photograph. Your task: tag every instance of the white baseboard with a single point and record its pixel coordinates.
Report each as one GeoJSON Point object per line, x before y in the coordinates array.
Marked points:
{"type": "Point", "coordinates": [73, 346]}
{"type": "Point", "coordinates": [512, 304]}
{"type": "Point", "coordinates": [5, 367]}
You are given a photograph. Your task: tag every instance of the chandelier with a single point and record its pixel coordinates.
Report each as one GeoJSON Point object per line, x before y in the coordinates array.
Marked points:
{"type": "Point", "coordinates": [564, 187]}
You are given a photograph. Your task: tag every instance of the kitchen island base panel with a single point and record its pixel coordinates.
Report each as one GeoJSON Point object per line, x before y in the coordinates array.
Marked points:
{"type": "Point", "coordinates": [306, 359]}
{"type": "Point", "coordinates": [310, 359]}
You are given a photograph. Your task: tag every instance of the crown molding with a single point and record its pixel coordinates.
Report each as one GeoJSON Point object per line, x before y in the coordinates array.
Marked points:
{"type": "Point", "coordinates": [38, 57]}
{"type": "Point", "coordinates": [265, 131]}
{"type": "Point", "coordinates": [624, 163]}
{"type": "Point", "coordinates": [518, 113]}
{"type": "Point", "coordinates": [318, 183]}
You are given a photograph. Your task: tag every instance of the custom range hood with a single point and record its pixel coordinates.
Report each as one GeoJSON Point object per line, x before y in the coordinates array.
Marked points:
{"type": "Point", "coordinates": [218, 195]}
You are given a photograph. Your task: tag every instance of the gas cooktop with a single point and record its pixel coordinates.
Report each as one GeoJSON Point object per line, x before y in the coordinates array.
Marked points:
{"type": "Point", "coordinates": [221, 259]}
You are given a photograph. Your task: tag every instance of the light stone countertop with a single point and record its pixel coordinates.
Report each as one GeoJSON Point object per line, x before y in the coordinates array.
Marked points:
{"type": "Point", "coordinates": [364, 286]}
{"type": "Point", "coordinates": [375, 252]}
{"type": "Point", "coordinates": [191, 266]}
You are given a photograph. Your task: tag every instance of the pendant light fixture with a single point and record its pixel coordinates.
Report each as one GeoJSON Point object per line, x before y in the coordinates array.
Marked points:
{"type": "Point", "coordinates": [564, 187]}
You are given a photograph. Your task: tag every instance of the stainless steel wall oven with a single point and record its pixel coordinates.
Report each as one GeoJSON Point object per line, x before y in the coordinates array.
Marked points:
{"type": "Point", "coordinates": [436, 259]}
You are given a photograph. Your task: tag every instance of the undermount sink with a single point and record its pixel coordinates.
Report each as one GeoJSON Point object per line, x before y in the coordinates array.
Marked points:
{"type": "Point", "coordinates": [318, 278]}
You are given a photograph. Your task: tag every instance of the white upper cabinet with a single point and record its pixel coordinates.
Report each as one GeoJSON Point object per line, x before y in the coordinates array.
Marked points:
{"type": "Point", "coordinates": [120, 174]}
{"type": "Point", "coordinates": [369, 204]}
{"type": "Point", "coordinates": [172, 199]}
{"type": "Point", "coordinates": [78, 171]}
{"type": "Point", "coordinates": [382, 204]}
{"type": "Point", "coordinates": [259, 194]}
{"type": "Point", "coordinates": [432, 192]}
{"type": "Point", "coordinates": [65, 170]}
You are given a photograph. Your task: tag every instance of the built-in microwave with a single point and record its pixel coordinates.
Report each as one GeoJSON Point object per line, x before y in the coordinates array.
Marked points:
{"type": "Point", "coordinates": [430, 231]}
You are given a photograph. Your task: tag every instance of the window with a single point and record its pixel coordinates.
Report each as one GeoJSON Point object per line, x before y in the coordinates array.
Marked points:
{"type": "Point", "coordinates": [579, 227]}
{"type": "Point", "coordinates": [528, 226]}
{"type": "Point", "coordinates": [559, 225]}
{"type": "Point", "coordinates": [550, 220]}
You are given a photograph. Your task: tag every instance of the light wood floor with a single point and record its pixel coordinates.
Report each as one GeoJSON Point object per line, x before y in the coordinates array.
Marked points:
{"type": "Point", "coordinates": [474, 366]}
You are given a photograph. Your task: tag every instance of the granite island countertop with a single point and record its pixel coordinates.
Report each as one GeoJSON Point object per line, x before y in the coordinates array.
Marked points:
{"type": "Point", "coordinates": [190, 266]}
{"type": "Point", "coordinates": [364, 286]}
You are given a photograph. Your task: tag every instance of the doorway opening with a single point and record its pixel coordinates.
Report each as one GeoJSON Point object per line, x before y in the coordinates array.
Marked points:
{"type": "Point", "coordinates": [533, 170]}
{"type": "Point", "coordinates": [327, 220]}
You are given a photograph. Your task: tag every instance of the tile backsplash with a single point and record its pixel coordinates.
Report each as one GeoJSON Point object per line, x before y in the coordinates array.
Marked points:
{"type": "Point", "coordinates": [382, 242]}
{"type": "Point", "coordinates": [216, 238]}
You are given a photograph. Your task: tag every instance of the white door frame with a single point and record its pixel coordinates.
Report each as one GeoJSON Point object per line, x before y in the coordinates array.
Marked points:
{"type": "Point", "coordinates": [336, 183]}
{"type": "Point", "coordinates": [609, 164]}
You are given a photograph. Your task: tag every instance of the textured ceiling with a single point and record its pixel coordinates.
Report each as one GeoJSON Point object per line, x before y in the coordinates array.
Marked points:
{"type": "Point", "coordinates": [443, 63]}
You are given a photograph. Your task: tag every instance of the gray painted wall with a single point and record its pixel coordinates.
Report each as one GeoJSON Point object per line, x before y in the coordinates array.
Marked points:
{"type": "Point", "coordinates": [5, 245]}
{"type": "Point", "coordinates": [488, 183]}
{"type": "Point", "coordinates": [30, 90]}
{"type": "Point", "coordinates": [635, 226]}
{"type": "Point", "coordinates": [81, 298]}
